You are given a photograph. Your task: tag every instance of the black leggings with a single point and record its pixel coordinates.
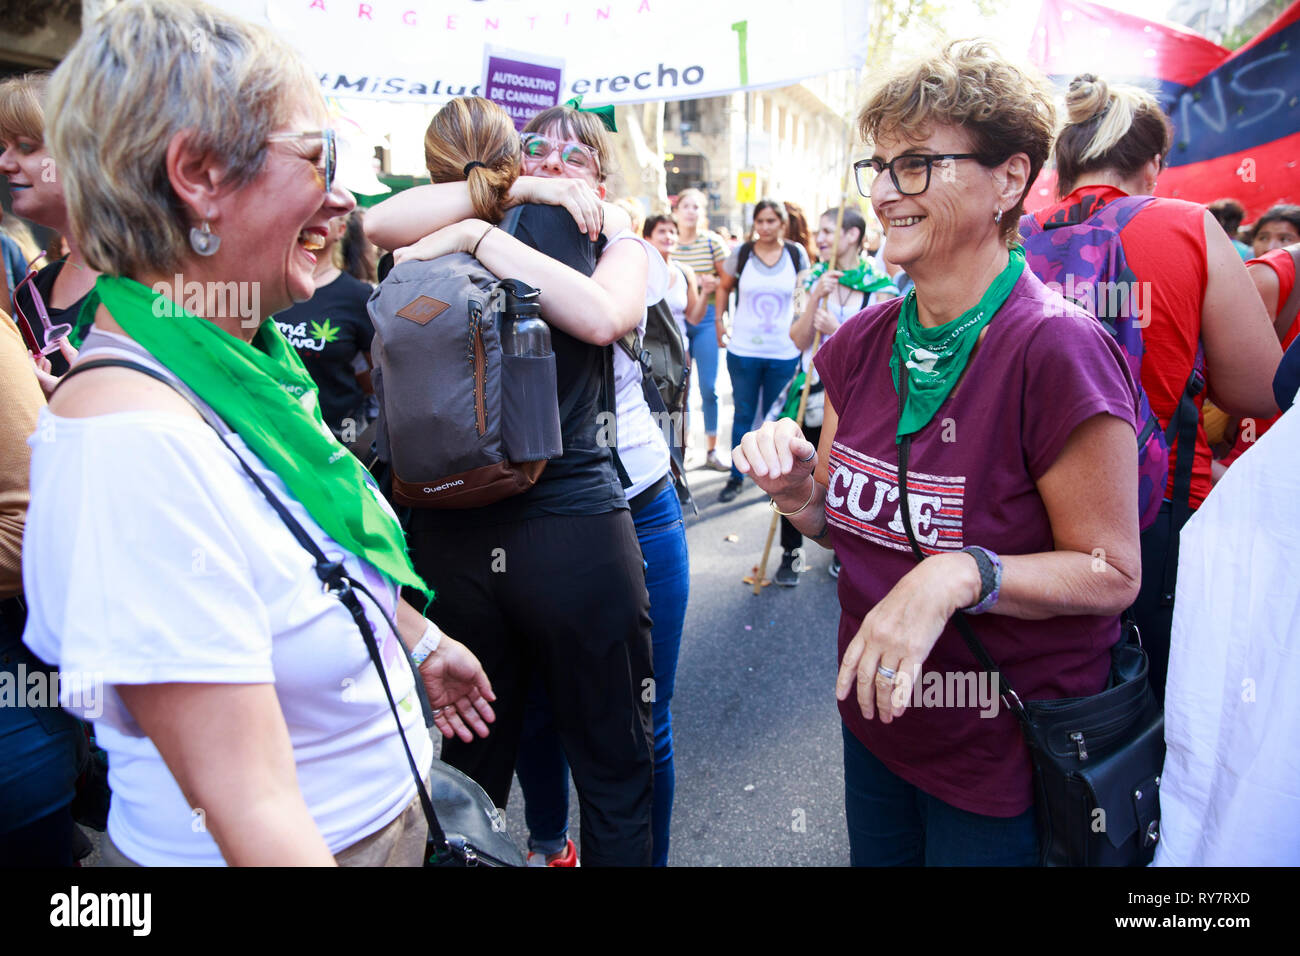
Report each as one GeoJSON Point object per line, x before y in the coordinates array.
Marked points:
{"type": "Point", "coordinates": [790, 536]}
{"type": "Point", "coordinates": [564, 596]}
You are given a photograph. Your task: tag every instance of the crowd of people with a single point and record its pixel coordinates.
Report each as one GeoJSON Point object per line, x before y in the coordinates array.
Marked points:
{"type": "Point", "coordinates": [910, 390]}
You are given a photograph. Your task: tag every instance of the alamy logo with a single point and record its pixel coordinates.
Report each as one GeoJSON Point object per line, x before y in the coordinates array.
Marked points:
{"type": "Point", "coordinates": [1105, 300]}
{"type": "Point", "coordinates": [82, 692]}
{"type": "Point", "coordinates": [102, 909]}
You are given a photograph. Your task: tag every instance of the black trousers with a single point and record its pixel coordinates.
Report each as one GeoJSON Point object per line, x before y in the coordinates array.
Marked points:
{"type": "Point", "coordinates": [1152, 611]}
{"type": "Point", "coordinates": [790, 536]}
{"type": "Point", "coordinates": [565, 597]}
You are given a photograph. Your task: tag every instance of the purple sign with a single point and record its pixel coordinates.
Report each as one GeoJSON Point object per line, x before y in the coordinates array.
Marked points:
{"type": "Point", "coordinates": [523, 89]}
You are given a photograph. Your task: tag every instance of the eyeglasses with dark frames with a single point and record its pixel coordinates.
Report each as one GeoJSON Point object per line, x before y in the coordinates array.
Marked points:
{"type": "Point", "coordinates": [329, 150]}
{"type": "Point", "coordinates": [44, 339]}
{"type": "Point", "coordinates": [910, 172]}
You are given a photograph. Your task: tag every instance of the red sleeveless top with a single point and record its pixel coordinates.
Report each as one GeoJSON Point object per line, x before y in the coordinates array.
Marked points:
{"type": "Point", "coordinates": [1165, 247]}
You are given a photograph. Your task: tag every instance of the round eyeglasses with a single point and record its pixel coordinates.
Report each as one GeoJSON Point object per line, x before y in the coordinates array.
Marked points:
{"type": "Point", "coordinates": [579, 156]}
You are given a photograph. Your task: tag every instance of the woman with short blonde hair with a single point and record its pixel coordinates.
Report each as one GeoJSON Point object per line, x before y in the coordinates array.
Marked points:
{"type": "Point", "coordinates": [244, 720]}
{"type": "Point", "coordinates": [995, 415]}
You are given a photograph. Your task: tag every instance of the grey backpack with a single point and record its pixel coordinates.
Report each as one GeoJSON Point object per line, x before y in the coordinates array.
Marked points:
{"type": "Point", "coordinates": [462, 423]}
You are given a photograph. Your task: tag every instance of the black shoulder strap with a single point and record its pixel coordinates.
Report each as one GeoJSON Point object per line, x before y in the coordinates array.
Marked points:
{"type": "Point", "coordinates": [1180, 436]}
{"type": "Point", "coordinates": [331, 573]}
{"type": "Point", "coordinates": [742, 257]}
{"type": "Point", "coordinates": [959, 620]}
{"type": "Point", "coordinates": [793, 250]}
{"type": "Point", "coordinates": [608, 404]}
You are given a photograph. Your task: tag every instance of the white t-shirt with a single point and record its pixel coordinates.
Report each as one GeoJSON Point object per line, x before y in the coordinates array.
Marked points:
{"type": "Point", "coordinates": [149, 557]}
{"type": "Point", "coordinates": [642, 446]}
{"type": "Point", "coordinates": [764, 306]}
{"type": "Point", "coordinates": [841, 314]}
{"type": "Point", "coordinates": [676, 297]}
{"type": "Point", "coordinates": [1230, 789]}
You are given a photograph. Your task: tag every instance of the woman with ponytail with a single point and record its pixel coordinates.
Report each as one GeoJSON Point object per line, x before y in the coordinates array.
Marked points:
{"type": "Point", "coordinates": [550, 586]}
{"type": "Point", "coordinates": [1195, 296]}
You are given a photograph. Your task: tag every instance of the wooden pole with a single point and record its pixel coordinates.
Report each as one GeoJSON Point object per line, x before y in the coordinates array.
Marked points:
{"type": "Point", "coordinates": [760, 569]}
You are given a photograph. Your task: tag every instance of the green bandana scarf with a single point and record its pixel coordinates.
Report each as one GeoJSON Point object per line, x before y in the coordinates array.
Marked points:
{"type": "Point", "coordinates": [935, 358]}
{"type": "Point", "coordinates": [264, 393]}
{"type": "Point", "coordinates": [863, 278]}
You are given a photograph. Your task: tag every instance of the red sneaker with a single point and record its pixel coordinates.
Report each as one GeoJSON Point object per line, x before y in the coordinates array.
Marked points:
{"type": "Point", "coordinates": [568, 858]}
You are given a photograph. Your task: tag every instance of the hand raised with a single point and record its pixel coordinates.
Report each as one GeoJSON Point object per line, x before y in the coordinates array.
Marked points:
{"type": "Point", "coordinates": [779, 459]}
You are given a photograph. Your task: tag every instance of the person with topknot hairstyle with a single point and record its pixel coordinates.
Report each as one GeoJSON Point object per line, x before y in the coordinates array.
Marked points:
{"type": "Point", "coordinates": [1114, 144]}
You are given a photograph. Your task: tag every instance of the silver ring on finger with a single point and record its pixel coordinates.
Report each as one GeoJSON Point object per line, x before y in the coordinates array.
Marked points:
{"type": "Point", "coordinates": [804, 461]}
{"type": "Point", "coordinates": [437, 710]}
{"type": "Point", "coordinates": [888, 673]}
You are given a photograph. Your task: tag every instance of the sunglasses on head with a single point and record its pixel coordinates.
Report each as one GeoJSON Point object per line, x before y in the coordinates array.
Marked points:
{"type": "Point", "coordinates": [40, 337]}
{"type": "Point", "coordinates": [329, 150]}
{"type": "Point", "coordinates": [574, 154]}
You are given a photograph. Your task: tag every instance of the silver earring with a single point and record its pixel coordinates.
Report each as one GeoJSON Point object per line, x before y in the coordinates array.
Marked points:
{"type": "Point", "coordinates": [203, 241]}
{"type": "Point", "coordinates": [997, 216]}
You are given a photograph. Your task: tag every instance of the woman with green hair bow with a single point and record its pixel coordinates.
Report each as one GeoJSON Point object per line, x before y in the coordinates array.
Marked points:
{"type": "Point", "coordinates": [243, 718]}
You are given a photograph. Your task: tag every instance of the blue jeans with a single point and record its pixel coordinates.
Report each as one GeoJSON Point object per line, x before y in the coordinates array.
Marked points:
{"type": "Point", "coordinates": [40, 753]}
{"type": "Point", "coordinates": [755, 383]}
{"type": "Point", "coordinates": [542, 769]}
{"type": "Point", "coordinates": [703, 343]}
{"type": "Point", "coordinates": [892, 823]}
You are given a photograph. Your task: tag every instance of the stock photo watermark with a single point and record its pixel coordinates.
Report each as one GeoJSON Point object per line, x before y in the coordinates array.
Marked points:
{"type": "Point", "coordinates": [130, 910]}
{"type": "Point", "coordinates": [82, 692]}
{"type": "Point", "coordinates": [211, 300]}
{"type": "Point", "coordinates": [1105, 300]}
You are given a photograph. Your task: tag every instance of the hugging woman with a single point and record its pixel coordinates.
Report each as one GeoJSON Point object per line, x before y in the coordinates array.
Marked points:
{"type": "Point", "coordinates": [570, 602]}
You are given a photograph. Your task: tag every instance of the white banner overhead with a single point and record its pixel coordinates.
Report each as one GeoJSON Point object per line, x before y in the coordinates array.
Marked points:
{"type": "Point", "coordinates": [615, 51]}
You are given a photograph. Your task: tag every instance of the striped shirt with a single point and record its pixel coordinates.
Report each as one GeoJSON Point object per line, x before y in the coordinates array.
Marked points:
{"type": "Point", "coordinates": [703, 253]}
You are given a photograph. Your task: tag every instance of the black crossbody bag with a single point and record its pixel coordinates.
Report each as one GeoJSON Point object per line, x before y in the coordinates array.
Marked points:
{"type": "Point", "coordinates": [1097, 760]}
{"type": "Point", "coordinates": [475, 833]}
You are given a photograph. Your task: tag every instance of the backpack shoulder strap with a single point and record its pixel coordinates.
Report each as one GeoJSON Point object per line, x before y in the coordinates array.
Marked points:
{"type": "Point", "coordinates": [1029, 226]}
{"type": "Point", "coordinates": [742, 257]}
{"type": "Point", "coordinates": [793, 251]}
{"type": "Point", "coordinates": [631, 344]}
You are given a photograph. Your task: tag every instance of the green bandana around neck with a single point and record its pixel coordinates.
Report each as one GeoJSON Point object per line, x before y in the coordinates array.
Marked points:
{"type": "Point", "coordinates": [264, 393]}
{"type": "Point", "coordinates": [935, 358]}
{"type": "Point", "coordinates": [863, 277]}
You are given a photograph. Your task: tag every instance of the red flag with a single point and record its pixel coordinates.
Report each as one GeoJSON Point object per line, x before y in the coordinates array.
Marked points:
{"type": "Point", "coordinates": [1236, 116]}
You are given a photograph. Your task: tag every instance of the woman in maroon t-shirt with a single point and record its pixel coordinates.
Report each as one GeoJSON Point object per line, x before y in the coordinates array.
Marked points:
{"type": "Point", "coordinates": [1022, 482]}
